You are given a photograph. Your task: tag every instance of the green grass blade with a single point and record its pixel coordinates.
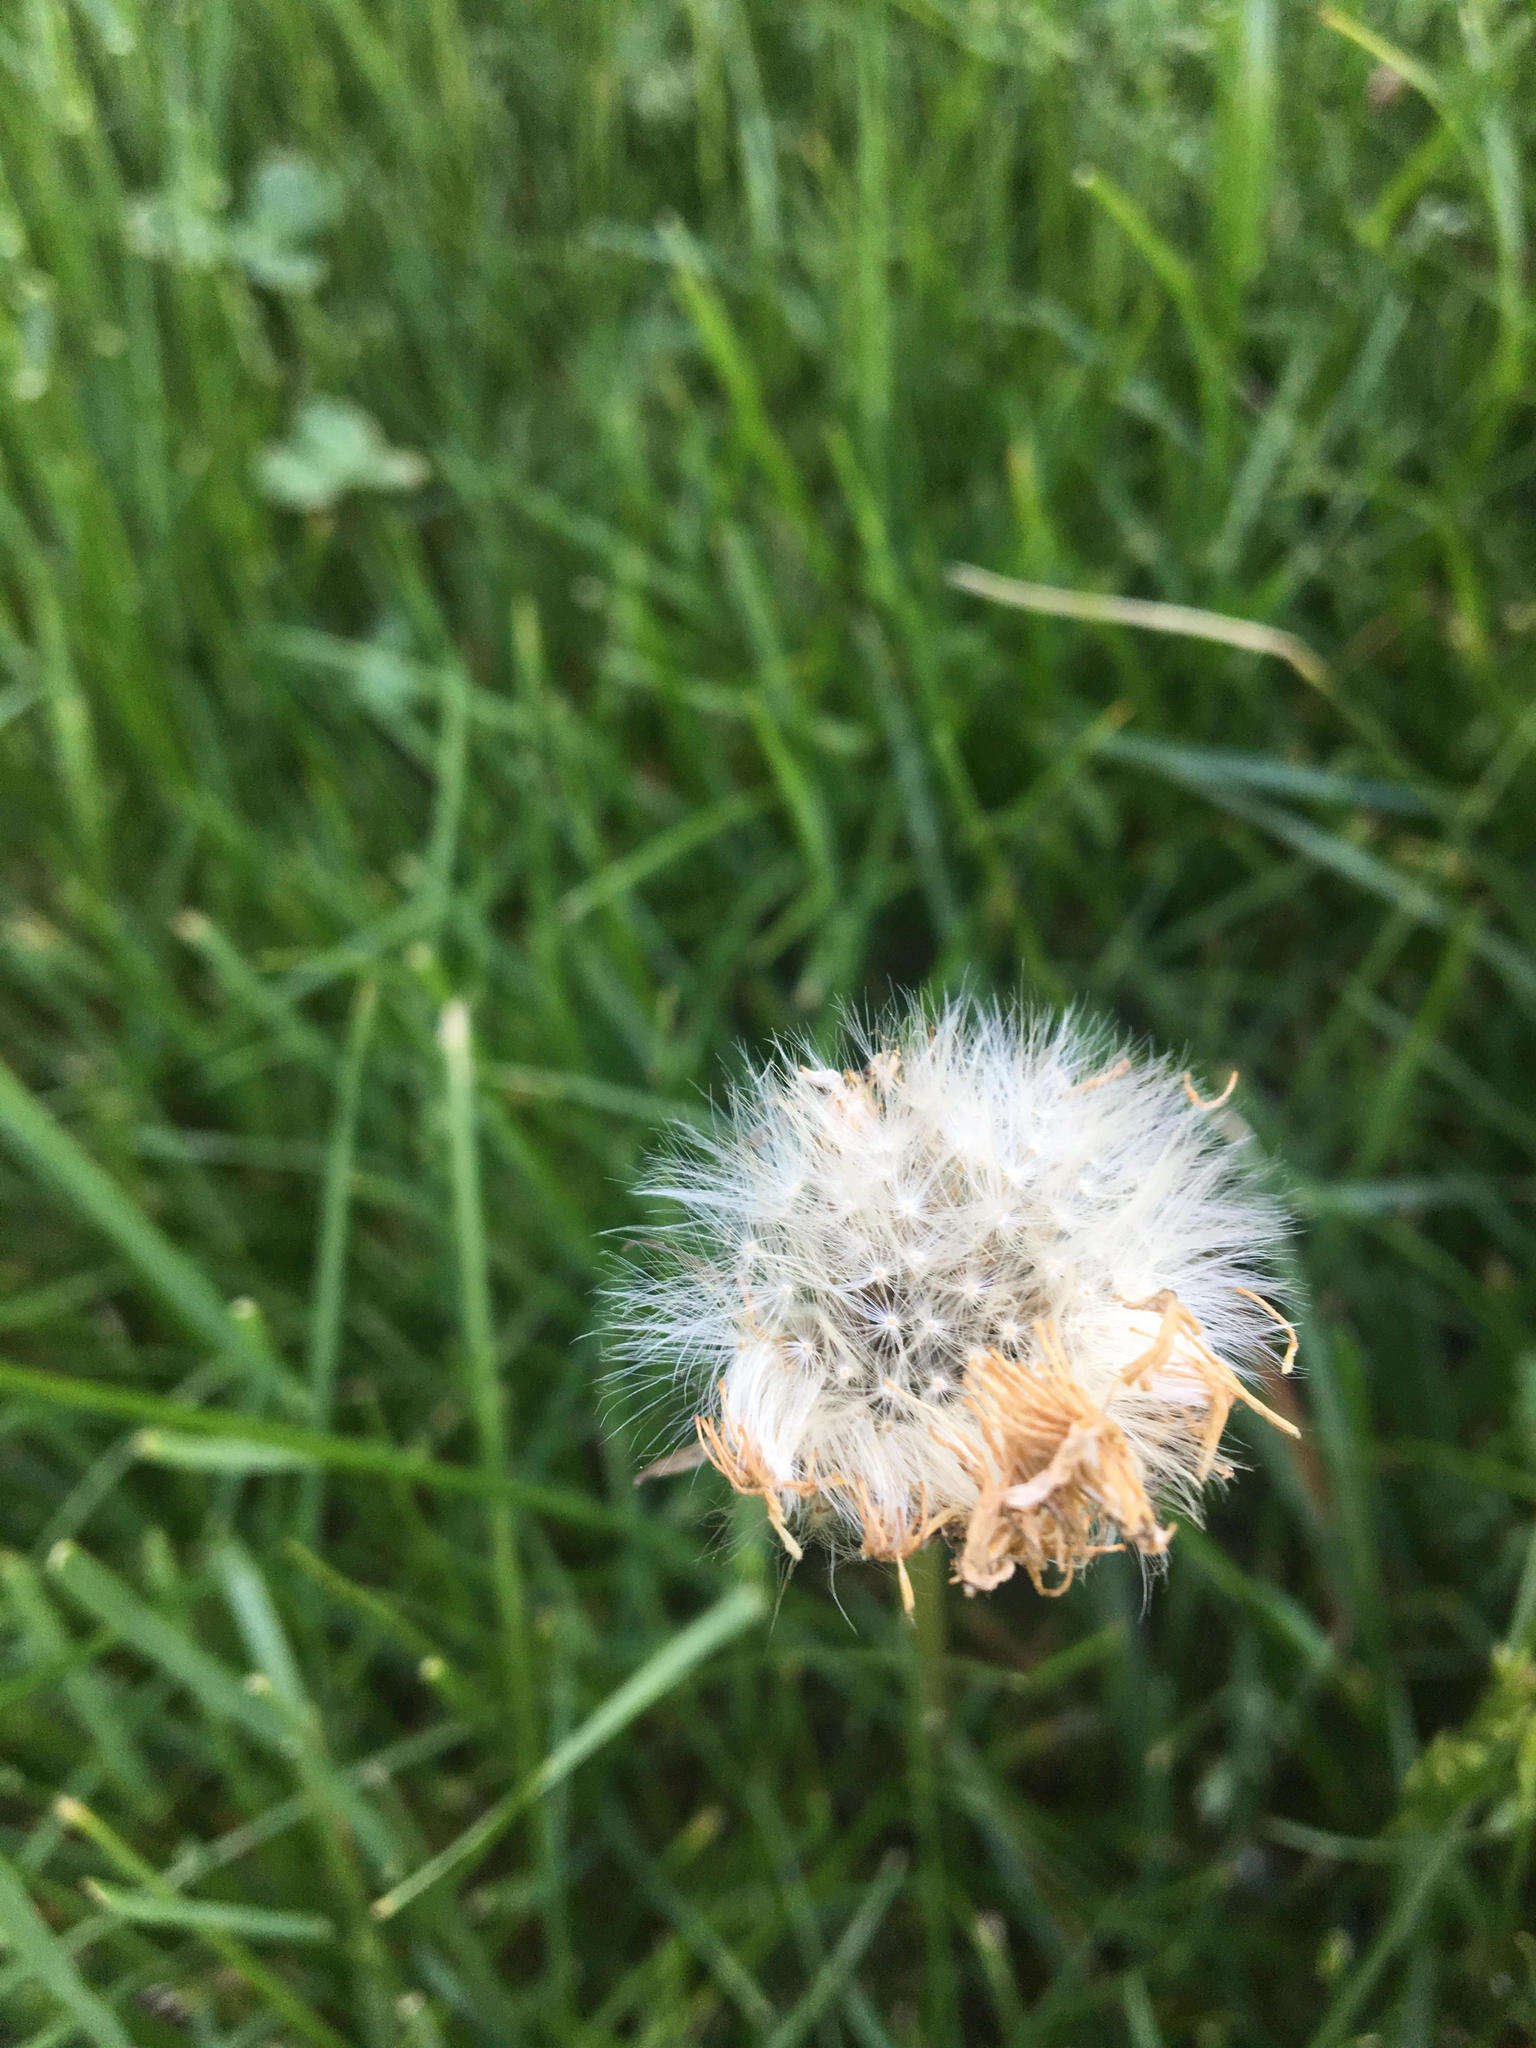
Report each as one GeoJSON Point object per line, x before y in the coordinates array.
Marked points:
{"type": "Point", "coordinates": [248, 1967]}
{"type": "Point", "coordinates": [1413, 1903]}
{"type": "Point", "coordinates": [89, 1695]}
{"type": "Point", "coordinates": [218, 1690]}
{"type": "Point", "coordinates": [299, 1447]}
{"type": "Point", "coordinates": [210, 1916]}
{"type": "Point", "coordinates": [688, 835]}
{"type": "Point", "coordinates": [483, 1369]}
{"type": "Point", "coordinates": [167, 1272]}
{"type": "Point", "coordinates": [48, 1961]}
{"type": "Point", "coordinates": [728, 1618]}
{"type": "Point", "coordinates": [331, 1250]}
{"type": "Point", "coordinates": [845, 1957]}
{"type": "Point", "coordinates": [216, 1454]}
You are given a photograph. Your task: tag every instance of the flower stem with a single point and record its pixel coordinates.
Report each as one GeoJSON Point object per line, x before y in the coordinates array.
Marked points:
{"type": "Point", "coordinates": [925, 1746]}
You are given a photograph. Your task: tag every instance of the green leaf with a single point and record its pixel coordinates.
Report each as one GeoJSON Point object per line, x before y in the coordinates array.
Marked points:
{"type": "Point", "coordinates": [335, 448]}
{"type": "Point", "coordinates": [290, 201]}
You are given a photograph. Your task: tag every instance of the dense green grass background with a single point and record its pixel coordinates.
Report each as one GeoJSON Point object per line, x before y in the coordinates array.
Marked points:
{"type": "Point", "coordinates": [477, 480]}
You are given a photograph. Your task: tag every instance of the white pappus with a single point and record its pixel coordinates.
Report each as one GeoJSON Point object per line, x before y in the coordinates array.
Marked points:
{"type": "Point", "coordinates": [999, 1278]}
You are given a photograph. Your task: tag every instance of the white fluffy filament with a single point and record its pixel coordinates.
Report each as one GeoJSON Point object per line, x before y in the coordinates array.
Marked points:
{"type": "Point", "coordinates": [997, 1277]}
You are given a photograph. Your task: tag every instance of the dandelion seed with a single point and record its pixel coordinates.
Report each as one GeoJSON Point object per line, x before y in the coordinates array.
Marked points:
{"type": "Point", "coordinates": [1021, 1279]}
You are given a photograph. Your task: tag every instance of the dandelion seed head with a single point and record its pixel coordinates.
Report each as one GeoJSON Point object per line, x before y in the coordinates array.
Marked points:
{"type": "Point", "coordinates": [997, 1277]}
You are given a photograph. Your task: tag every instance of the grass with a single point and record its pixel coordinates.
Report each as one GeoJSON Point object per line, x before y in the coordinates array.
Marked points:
{"type": "Point", "coordinates": [476, 648]}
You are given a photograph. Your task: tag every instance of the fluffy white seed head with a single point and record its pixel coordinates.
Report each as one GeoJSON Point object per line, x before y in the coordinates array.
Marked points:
{"type": "Point", "coordinates": [998, 1277]}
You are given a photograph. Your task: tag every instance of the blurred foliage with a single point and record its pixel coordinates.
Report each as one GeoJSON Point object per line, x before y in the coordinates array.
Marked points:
{"type": "Point", "coordinates": [475, 485]}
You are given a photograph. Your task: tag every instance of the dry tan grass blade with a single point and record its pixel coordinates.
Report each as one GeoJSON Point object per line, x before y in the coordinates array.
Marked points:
{"type": "Point", "coordinates": [1181, 619]}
